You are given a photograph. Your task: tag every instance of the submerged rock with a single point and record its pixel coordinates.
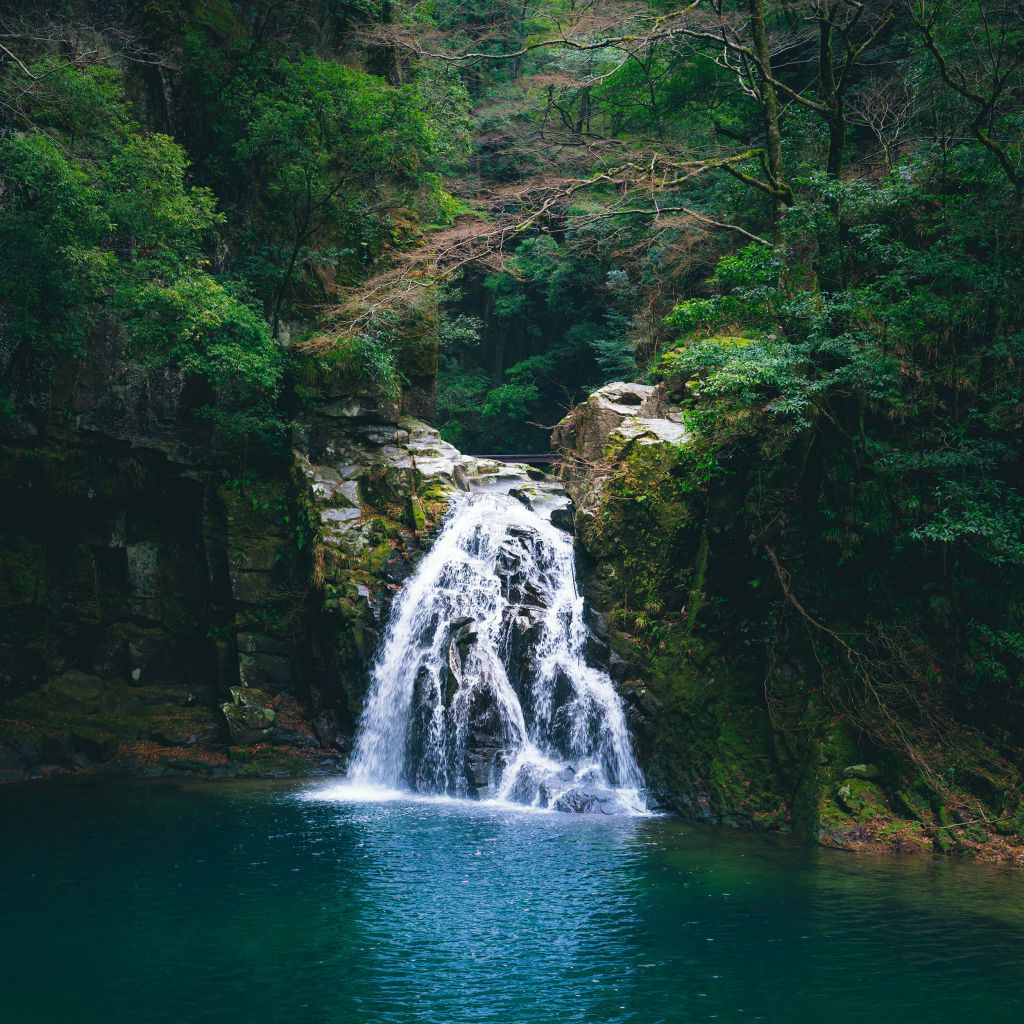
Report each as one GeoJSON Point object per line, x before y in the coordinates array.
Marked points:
{"type": "Point", "coordinates": [584, 800]}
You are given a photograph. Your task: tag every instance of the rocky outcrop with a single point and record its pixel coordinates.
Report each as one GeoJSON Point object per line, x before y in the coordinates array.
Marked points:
{"type": "Point", "coordinates": [250, 715]}
{"type": "Point", "coordinates": [740, 734]}
{"type": "Point", "coordinates": [623, 411]}
{"type": "Point", "coordinates": [603, 431]}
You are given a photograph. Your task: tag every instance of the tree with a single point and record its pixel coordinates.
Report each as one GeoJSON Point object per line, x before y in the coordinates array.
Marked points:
{"type": "Point", "coordinates": [979, 55]}
{"type": "Point", "coordinates": [103, 224]}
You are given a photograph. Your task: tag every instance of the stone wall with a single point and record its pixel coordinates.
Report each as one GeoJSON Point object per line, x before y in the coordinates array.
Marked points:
{"type": "Point", "coordinates": [155, 590]}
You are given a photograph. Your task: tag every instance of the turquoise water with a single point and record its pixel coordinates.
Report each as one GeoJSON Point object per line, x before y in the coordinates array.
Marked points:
{"type": "Point", "coordinates": [248, 903]}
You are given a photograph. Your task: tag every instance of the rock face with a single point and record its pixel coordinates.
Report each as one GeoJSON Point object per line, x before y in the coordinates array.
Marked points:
{"type": "Point", "coordinates": [707, 744]}
{"type": "Point", "coordinates": [623, 411]}
{"type": "Point", "coordinates": [139, 581]}
{"type": "Point", "coordinates": [737, 736]}
{"type": "Point", "coordinates": [601, 433]}
{"type": "Point", "coordinates": [146, 576]}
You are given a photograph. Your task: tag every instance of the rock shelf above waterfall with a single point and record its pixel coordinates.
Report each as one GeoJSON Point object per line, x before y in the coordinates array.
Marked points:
{"type": "Point", "coordinates": [361, 466]}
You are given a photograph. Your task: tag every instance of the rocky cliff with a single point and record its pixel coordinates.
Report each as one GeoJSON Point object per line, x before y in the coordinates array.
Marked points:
{"type": "Point", "coordinates": [168, 609]}
{"type": "Point", "coordinates": [733, 726]}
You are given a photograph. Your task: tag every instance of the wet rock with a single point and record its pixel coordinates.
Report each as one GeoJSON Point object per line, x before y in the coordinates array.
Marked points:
{"type": "Point", "coordinates": [397, 569]}
{"type": "Point", "coordinates": [328, 729]}
{"type": "Point", "coordinates": [13, 766]}
{"type": "Point", "coordinates": [564, 518]}
{"type": "Point", "coordinates": [617, 667]}
{"type": "Point", "coordinates": [146, 649]}
{"type": "Point", "coordinates": [523, 628]}
{"type": "Point", "coordinates": [485, 742]}
{"type": "Point", "coordinates": [585, 801]}
{"type": "Point", "coordinates": [522, 495]}
{"type": "Point", "coordinates": [597, 650]}
{"type": "Point", "coordinates": [596, 622]}
{"type": "Point", "coordinates": [261, 643]}
{"type": "Point", "coordinates": [55, 749]}
{"type": "Point", "coordinates": [462, 635]}
{"type": "Point", "coordinates": [93, 748]}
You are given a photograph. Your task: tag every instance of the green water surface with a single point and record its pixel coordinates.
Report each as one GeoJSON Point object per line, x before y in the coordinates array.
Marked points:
{"type": "Point", "coordinates": [159, 903]}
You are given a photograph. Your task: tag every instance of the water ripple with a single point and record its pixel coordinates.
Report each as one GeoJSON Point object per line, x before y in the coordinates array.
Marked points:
{"type": "Point", "coordinates": [158, 904]}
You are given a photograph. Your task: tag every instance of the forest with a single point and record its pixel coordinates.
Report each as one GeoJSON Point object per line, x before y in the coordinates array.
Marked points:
{"type": "Point", "coordinates": [801, 219]}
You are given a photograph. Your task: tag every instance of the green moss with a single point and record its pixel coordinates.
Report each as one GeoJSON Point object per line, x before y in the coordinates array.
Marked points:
{"type": "Point", "coordinates": [711, 752]}
{"type": "Point", "coordinates": [436, 492]}
{"type": "Point", "coordinates": [265, 761]}
{"type": "Point", "coordinates": [862, 799]}
{"type": "Point", "coordinates": [102, 716]}
{"type": "Point", "coordinates": [417, 516]}
{"type": "Point", "coordinates": [697, 590]}
{"type": "Point", "coordinates": [22, 573]}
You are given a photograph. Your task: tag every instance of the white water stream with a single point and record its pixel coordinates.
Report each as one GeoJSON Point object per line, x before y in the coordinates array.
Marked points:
{"type": "Point", "coordinates": [482, 686]}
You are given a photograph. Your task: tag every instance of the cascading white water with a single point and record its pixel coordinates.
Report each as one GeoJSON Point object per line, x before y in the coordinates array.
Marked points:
{"type": "Point", "coordinates": [482, 686]}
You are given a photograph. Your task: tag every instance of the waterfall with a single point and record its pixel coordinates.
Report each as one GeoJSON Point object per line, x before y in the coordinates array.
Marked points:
{"type": "Point", "coordinates": [482, 686]}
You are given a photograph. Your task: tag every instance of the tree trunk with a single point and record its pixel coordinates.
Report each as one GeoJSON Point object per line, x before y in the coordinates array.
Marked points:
{"type": "Point", "coordinates": [769, 104]}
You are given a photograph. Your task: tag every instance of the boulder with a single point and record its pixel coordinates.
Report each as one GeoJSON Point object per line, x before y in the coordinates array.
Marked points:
{"type": "Point", "coordinates": [250, 715]}
{"type": "Point", "coordinates": [584, 432]}
{"type": "Point", "coordinates": [583, 798]}
{"type": "Point", "coordinates": [563, 518]}
{"type": "Point", "coordinates": [522, 495]}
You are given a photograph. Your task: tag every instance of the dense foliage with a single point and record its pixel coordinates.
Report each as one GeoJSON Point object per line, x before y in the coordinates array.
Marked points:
{"type": "Point", "coordinates": [203, 179]}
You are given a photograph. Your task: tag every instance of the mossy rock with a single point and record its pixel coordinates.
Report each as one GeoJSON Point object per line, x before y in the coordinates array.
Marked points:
{"type": "Point", "coordinates": [250, 715]}
{"type": "Point", "coordinates": [417, 515]}
{"type": "Point", "coordinates": [861, 798]}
